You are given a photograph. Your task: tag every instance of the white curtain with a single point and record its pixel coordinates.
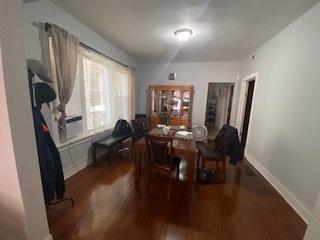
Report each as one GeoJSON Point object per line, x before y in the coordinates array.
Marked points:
{"type": "Point", "coordinates": [65, 50]}
{"type": "Point", "coordinates": [132, 94]}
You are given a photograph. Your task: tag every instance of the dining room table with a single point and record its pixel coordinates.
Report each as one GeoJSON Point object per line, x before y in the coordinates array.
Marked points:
{"type": "Point", "coordinates": [184, 148]}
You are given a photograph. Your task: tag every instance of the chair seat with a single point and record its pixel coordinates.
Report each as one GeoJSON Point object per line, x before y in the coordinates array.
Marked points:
{"type": "Point", "coordinates": [209, 153]}
{"type": "Point", "coordinates": [112, 141]}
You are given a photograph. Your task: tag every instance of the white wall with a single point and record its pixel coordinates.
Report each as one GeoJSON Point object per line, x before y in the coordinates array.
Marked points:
{"type": "Point", "coordinates": [45, 11]}
{"type": "Point", "coordinates": [75, 156]}
{"type": "Point", "coordinates": [22, 210]}
{"type": "Point", "coordinates": [284, 138]}
{"type": "Point", "coordinates": [196, 74]}
{"type": "Point", "coordinates": [313, 231]}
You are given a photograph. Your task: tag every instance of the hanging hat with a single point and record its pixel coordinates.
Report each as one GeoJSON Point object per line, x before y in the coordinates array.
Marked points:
{"type": "Point", "coordinates": [44, 93]}
{"type": "Point", "coordinates": [40, 69]}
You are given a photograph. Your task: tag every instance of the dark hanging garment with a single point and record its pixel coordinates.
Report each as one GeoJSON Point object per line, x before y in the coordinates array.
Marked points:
{"type": "Point", "coordinates": [58, 173]}
{"type": "Point", "coordinates": [227, 141]}
{"type": "Point", "coordinates": [49, 156]}
{"type": "Point", "coordinates": [46, 161]}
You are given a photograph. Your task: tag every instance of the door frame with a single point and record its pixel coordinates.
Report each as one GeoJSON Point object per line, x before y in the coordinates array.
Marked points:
{"type": "Point", "coordinates": [233, 100]}
{"type": "Point", "coordinates": [242, 104]}
{"type": "Point", "coordinates": [229, 102]}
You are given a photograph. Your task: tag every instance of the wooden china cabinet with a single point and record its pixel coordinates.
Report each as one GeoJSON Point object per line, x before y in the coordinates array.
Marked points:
{"type": "Point", "coordinates": [170, 105]}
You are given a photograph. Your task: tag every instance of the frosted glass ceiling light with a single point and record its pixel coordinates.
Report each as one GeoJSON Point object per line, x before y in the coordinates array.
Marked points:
{"type": "Point", "coordinates": [183, 34]}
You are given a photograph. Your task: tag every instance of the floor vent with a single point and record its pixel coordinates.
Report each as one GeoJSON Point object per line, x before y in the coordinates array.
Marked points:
{"type": "Point", "coordinates": [248, 170]}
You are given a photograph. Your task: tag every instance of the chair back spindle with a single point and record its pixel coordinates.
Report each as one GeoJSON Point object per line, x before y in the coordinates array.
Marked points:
{"type": "Point", "coordinates": [159, 151]}
{"type": "Point", "coordinates": [139, 128]}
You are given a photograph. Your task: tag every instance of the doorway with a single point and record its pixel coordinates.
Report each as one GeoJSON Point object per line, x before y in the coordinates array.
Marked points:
{"type": "Point", "coordinates": [246, 101]}
{"type": "Point", "coordinates": [219, 107]}
{"type": "Point", "coordinates": [246, 118]}
{"type": "Point", "coordinates": [230, 104]}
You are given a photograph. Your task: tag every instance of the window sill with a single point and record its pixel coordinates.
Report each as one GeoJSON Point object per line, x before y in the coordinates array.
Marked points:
{"type": "Point", "coordinates": [81, 138]}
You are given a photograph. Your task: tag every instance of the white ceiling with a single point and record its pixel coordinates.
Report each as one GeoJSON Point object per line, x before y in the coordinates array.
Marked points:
{"type": "Point", "coordinates": [225, 30]}
{"type": "Point", "coordinates": [27, 1]}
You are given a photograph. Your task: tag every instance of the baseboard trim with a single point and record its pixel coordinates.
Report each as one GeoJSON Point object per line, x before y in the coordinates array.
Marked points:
{"type": "Point", "coordinates": [73, 169]}
{"type": "Point", "coordinates": [48, 237]}
{"type": "Point", "coordinates": [303, 212]}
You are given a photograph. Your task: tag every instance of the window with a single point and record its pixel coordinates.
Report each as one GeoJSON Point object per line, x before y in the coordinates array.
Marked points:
{"type": "Point", "coordinates": [122, 94]}
{"type": "Point", "coordinates": [100, 92]}
{"type": "Point", "coordinates": [105, 86]}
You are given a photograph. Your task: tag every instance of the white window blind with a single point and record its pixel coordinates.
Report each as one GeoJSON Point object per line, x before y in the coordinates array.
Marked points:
{"type": "Point", "coordinates": [105, 90]}
{"type": "Point", "coordinates": [122, 94]}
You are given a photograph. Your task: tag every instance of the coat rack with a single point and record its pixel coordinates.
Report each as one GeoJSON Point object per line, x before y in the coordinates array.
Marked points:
{"type": "Point", "coordinates": [33, 65]}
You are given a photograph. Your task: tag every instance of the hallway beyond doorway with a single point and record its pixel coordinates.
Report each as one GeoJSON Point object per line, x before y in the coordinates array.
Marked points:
{"type": "Point", "coordinates": [219, 105]}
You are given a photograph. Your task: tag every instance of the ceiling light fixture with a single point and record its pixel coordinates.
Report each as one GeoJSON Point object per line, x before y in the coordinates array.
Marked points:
{"type": "Point", "coordinates": [183, 34]}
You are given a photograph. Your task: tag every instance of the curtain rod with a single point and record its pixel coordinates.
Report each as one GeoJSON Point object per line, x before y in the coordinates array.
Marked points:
{"type": "Point", "coordinates": [47, 26]}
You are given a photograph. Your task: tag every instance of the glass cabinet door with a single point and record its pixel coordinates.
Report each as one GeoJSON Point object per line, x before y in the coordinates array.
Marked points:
{"type": "Point", "coordinates": [154, 102]}
{"type": "Point", "coordinates": [185, 104]}
{"type": "Point", "coordinates": [175, 107]}
{"type": "Point", "coordinates": [163, 102]}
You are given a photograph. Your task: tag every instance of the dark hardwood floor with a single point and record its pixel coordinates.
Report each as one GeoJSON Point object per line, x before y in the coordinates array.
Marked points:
{"type": "Point", "coordinates": [108, 207]}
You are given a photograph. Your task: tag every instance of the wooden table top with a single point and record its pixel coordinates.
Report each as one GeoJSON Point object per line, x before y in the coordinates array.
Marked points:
{"type": "Point", "coordinates": [178, 143]}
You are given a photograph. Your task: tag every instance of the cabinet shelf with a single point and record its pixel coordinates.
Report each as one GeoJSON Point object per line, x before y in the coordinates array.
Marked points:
{"type": "Point", "coordinates": [170, 104]}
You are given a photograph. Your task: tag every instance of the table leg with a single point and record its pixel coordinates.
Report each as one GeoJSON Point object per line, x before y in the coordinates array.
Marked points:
{"type": "Point", "coordinates": [190, 159]}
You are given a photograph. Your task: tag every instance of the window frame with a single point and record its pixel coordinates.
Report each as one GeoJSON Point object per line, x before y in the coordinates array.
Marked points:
{"type": "Point", "coordinates": [100, 59]}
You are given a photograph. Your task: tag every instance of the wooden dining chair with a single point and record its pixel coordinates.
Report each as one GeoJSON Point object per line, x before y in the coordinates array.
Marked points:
{"type": "Point", "coordinates": [139, 128]}
{"type": "Point", "coordinates": [214, 152]}
{"type": "Point", "coordinates": [160, 159]}
{"type": "Point", "coordinates": [208, 154]}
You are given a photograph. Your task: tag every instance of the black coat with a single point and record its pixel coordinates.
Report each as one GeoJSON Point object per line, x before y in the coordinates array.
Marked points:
{"type": "Point", "coordinates": [49, 160]}
{"type": "Point", "coordinates": [48, 154]}
{"type": "Point", "coordinates": [227, 141]}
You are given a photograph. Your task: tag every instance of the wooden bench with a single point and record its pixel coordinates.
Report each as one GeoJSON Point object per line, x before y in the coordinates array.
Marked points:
{"type": "Point", "coordinates": [109, 143]}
